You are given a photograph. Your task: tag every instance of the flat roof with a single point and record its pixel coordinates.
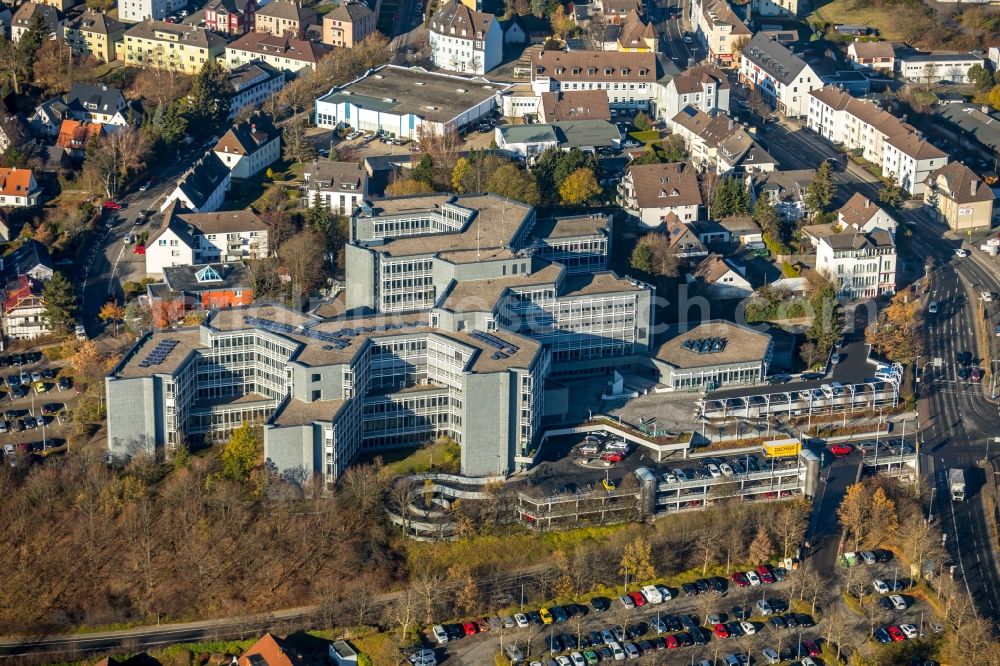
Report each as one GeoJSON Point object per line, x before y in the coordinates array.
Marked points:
{"type": "Point", "coordinates": [405, 90]}
{"type": "Point", "coordinates": [187, 340]}
{"type": "Point", "coordinates": [299, 412]}
{"type": "Point", "coordinates": [743, 345]}
{"type": "Point", "coordinates": [598, 283]}
{"type": "Point", "coordinates": [493, 226]}
{"type": "Point", "coordinates": [482, 295]}
{"type": "Point", "coordinates": [570, 226]}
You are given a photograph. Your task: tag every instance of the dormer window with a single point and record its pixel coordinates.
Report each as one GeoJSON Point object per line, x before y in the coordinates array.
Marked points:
{"type": "Point", "coordinates": [607, 71]}
{"type": "Point", "coordinates": [625, 71]}
{"type": "Point", "coordinates": [576, 70]}
{"type": "Point", "coordinates": [643, 71]}
{"type": "Point", "coordinates": [560, 70]}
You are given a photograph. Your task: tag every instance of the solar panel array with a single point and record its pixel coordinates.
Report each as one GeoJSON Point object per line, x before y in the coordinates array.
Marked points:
{"type": "Point", "coordinates": [705, 345]}
{"type": "Point", "coordinates": [336, 339]}
{"type": "Point", "coordinates": [159, 353]}
{"type": "Point", "coordinates": [504, 348]}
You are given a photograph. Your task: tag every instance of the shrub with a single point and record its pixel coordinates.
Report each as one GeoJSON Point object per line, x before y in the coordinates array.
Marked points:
{"type": "Point", "coordinates": [789, 270]}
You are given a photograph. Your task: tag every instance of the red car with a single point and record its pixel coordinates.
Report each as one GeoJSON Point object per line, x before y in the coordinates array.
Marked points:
{"type": "Point", "coordinates": [765, 574]}
{"type": "Point", "coordinates": [811, 648]}
{"type": "Point", "coordinates": [841, 450]}
{"type": "Point", "coordinates": [740, 579]}
{"type": "Point", "coordinates": [111, 205]}
{"type": "Point", "coordinates": [720, 631]}
{"type": "Point", "coordinates": [672, 642]}
{"type": "Point", "coordinates": [897, 633]}
{"type": "Point", "coordinates": [637, 598]}
{"type": "Point", "coordinates": [483, 624]}
{"type": "Point", "coordinates": [470, 628]}
{"type": "Point", "coordinates": [612, 457]}
{"type": "Point", "coordinates": [139, 249]}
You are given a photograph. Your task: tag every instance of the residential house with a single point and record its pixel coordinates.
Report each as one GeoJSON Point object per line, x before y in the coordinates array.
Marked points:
{"type": "Point", "coordinates": [862, 264]}
{"type": "Point", "coordinates": [285, 53]}
{"type": "Point", "coordinates": [203, 187]}
{"type": "Point", "coordinates": [94, 34]}
{"type": "Point", "coordinates": [75, 135]}
{"type": "Point", "coordinates": [88, 102]}
{"type": "Point", "coordinates": [718, 30]}
{"type": "Point", "coordinates": [464, 40]}
{"type": "Point", "coordinates": [652, 192]}
{"type": "Point", "coordinates": [719, 144]}
{"type": "Point", "coordinates": [961, 199]}
{"type": "Point", "coordinates": [636, 35]}
{"type": "Point", "coordinates": [271, 651]}
{"type": "Point", "coordinates": [340, 186]}
{"type": "Point", "coordinates": [172, 46]}
{"type": "Point", "coordinates": [199, 288]}
{"type": "Point", "coordinates": [765, 8]}
{"type": "Point", "coordinates": [348, 24]}
{"type": "Point", "coordinates": [250, 147]}
{"type": "Point", "coordinates": [630, 79]}
{"type": "Point", "coordinates": [30, 258]}
{"type": "Point", "coordinates": [185, 238]}
{"type": "Point", "coordinates": [874, 56]}
{"type": "Point", "coordinates": [284, 18]}
{"type": "Point", "coordinates": [785, 189]}
{"type": "Point", "coordinates": [705, 87]}
{"type": "Point", "coordinates": [520, 101]}
{"type": "Point", "coordinates": [860, 213]}
{"type": "Point", "coordinates": [573, 105]}
{"type": "Point", "coordinates": [251, 84]}
{"type": "Point", "coordinates": [24, 310]}
{"type": "Point", "coordinates": [876, 135]}
{"type": "Point", "coordinates": [18, 188]}
{"type": "Point", "coordinates": [61, 5]}
{"type": "Point", "coordinates": [721, 278]}
{"type": "Point", "coordinates": [783, 78]}
{"type": "Point", "coordinates": [399, 101]}
{"type": "Point", "coordinates": [135, 11]}
{"type": "Point", "coordinates": [682, 238]}
{"type": "Point", "coordinates": [616, 11]}
{"type": "Point", "coordinates": [743, 230]}
{"type": "Point", "coordinates": [27, 12]}
{"type": "Point", "coordinates": [230, 17]}
{"type": "Point", "coordinates": [938, 66]}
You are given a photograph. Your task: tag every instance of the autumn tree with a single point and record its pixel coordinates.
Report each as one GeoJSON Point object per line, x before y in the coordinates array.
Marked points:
{"type": "Point", "coordinates": [762, 548]}
{"type": "Point", "coordinates": [112, 312]}
{"type": "Point", "coordinates": [404, 187]}
{"type": "Point", "coordinates": [59, 300]}
{"type": "Point", "coordinates": [56, 68]}
{"type": "Point", "coordinates": [240, 456]}
{"type": "Point", "coordinates": [562, 25]}
{"type": "Point", "coordinates": [579, 187]}
{"type": "Point", "coordinates": [296, 146]}
{"type": "Point", "coordinates": [883, 519]}
{"type": "Point", "coordinates": [513, 182]}
{"type": "Point", "coordinates": [637, 561]}
{"type": "Point", "coordinates": [898, 331]}
{"type": "Point", "coordinates": [890, 193]}
{"type": "Point", "coordinates": [790, 522]}
{"type": "Point", "coordinates": [654, 255]}
{"type": "Point", "coordinates": [111, 159]}
{"type": "Point", "coordinates": [810, 354]}
{"type": "Point", "coordinates": [302, 255]}
{"type": "Point", "coordinates": [854, 512]}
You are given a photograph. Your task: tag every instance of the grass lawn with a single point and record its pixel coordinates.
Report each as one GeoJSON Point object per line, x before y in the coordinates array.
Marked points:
{"type": "Point", "coordinates": [249, 192]}
{"type": "Point", "coordinates": [849, 11]}
{"type": "Point", "coordinates": [400, 462]}
{"type": "Point", "coordinates": [648, 136]}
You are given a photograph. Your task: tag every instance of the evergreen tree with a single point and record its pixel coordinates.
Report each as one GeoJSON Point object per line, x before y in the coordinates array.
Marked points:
{"type": "Point", "coordinates": [319, 218]}
{"type": "Point", "coordinates": [31, 40]}
{"type": "Point", "coordinates": [206, 102]}
{"type": "Point", "coordinates": [60, 303]}
{"type": "Point", "coordinates": [424, 171]}
{"type": "Point", "coordinates": [820, 192]}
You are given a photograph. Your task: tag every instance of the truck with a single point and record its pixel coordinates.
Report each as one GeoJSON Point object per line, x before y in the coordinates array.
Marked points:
{"type": "Point", "coordinates": [956, 484]}
{"type": "Point", "coordinates": [780, 448]}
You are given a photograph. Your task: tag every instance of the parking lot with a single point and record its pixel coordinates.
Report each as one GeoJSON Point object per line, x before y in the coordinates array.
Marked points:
{"type": "Point", "coordinates": [705, 619]}
{"type": "Point", "coordinates": [33, 397]}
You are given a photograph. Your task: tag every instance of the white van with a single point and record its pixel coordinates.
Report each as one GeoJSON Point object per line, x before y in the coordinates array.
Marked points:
{"type": "Point", "coordinates": [440, 635]}
{"type": "Point", "coordinates": [617, 651]}
{"type": "Point", "coordinates": [652, 594]}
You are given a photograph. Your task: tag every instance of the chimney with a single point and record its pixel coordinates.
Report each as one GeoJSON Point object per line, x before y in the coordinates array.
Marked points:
{"type": "Point", "coordinates": [972, 188]}
{"type": "Point", "coordinates": [868, 202]}
{"type": "Point", "coordinates": [985, 109]}
{"type": "Point", "coordinates": [253, 127]}
{"type": "Point", "coordinates": [730, 123]}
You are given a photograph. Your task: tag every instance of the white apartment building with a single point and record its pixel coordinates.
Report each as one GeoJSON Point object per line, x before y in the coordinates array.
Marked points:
{"type": "Point", "coordinates": [864, 265]}
{"type": "Point", "coordinates": [764, 8]}
{"type": "Point", "coordinates": [652, 192]}
{"type": "Point", "coordinates": [719, 144]}
{"type": "Point", "coordinates": [932, 67]}
{"type": "Point", "coordinates": [862, 214]}
{"type": "Point", "coordinates": [783, 79]}
{"type": "Point", "coordinates": [874, 134]}
{"type": "Point", "coordinates": [186, 239]}
{"type": "Point", "coordinates": [705, 88]}
{"type": "Point", "coordinates": [628, 78]}
{"type": "Point", "coordinates": [341, 186]}
{"type": "Point", "coordinates": [135, 11]}
{"type": "Point", "coordinates": [718, 28]}
{"type": "Point", "coordinates": [250, 146]}
{"type": "Point", "coordinates": [201, 189]}
{"type": "Point", "coordinates": [464, 40]}
{"type": "Point", "coordinates": [251, 84]}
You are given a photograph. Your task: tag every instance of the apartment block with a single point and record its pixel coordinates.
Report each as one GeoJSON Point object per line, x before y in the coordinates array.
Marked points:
{"type": "Point", "coordinates": [783, 79]}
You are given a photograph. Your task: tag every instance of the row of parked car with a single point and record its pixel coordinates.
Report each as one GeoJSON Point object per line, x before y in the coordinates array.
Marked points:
{"type": "Point", "coordinates": [601, 444]}
{"type": "Point", "coordinates": [895, 632]}
{"type": "Point", "coordinates": [714, 468]}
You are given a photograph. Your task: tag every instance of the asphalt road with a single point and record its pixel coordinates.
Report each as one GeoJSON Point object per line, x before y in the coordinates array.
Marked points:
{"type": "Point", "coordinates": [672, 33]}
{"type": "Point", "coordinates": [960, 418]}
